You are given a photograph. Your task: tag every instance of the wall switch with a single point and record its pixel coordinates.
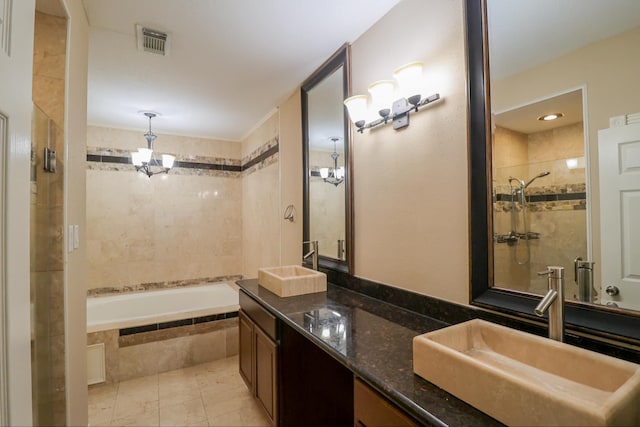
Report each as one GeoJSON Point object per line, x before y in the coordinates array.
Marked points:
{"type": "Point", "coordinates": [70, 239]}
{"type": "Point", "coordinates": [76, 236]}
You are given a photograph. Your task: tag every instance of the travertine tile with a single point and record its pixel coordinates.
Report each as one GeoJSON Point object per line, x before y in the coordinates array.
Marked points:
{"type": "Point", "coordinates": [186, 413]}
{"type": "Point", "coordinates": [208, 394]}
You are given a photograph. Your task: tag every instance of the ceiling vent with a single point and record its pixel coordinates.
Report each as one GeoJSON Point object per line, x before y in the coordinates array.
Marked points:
{"type": "Point", "coordinates": [152, 41]}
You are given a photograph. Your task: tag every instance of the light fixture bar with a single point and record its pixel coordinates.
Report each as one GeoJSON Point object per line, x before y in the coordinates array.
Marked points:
{"type": "Point", "coordinates": [400, 113]}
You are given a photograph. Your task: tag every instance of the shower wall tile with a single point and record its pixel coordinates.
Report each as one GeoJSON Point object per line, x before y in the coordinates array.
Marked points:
{"type": "Point", "coordinates": [47, 219]}
{"type": "Point", "coordinates": [167, 228]}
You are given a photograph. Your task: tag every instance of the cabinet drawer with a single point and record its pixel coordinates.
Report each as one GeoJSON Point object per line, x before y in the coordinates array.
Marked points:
{"type": "Point", "coordinates": [265, 320]}
{"type": "Point", "coordinates": [373, 410]}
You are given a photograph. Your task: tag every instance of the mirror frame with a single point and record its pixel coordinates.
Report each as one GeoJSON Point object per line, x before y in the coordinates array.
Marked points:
{"type": "Point", "coordinates": [341, 58]}
{"type": "Point", "coordinates": [579, 317]}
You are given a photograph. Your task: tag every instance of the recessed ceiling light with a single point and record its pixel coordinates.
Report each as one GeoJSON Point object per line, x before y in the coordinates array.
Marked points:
{"type": "Point", "coordinates": [552, 116]}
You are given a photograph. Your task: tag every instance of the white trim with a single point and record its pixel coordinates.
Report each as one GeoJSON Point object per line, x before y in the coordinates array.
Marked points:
{"type": "Point", "coordinates": [4, 399]}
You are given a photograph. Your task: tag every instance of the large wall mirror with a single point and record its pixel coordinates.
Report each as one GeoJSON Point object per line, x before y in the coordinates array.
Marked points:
{"type": "Point", "coordinates": [327, 167]}
{"type": "Point", "coordinates": [555, 157]}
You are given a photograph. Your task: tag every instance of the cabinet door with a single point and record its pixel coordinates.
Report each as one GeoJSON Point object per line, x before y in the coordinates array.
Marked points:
{"type": "Point", "coordinates": [246, 331]}
{"type": "Point", "coordinates": [372, 410]}
{"type": "Point", "coordinates": [266, 373]}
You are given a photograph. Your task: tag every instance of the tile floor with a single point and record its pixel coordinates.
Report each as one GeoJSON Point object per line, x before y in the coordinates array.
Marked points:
{"type": "Point", "coordinates": [211, 394]}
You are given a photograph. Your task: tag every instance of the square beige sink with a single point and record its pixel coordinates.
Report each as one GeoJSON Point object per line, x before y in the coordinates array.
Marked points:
{"type": "Point", "coordinates": [292, 280]}
{"type": "Point", "coordinates": [523, 379]}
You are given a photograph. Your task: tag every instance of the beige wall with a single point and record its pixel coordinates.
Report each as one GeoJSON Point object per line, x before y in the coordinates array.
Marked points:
{"type": "Point", "coordinates": [75, 207]}
{"type": "Point", "coordinates": [291, 179]}
{"type": "Point", "coordinates": [261, 202]}
{"type": "Point", "coordinates": [175, 227]}
{"type": "Point", "coordinates": [410, 186]}
{"type": "Point", "coordinates": [611, 90]}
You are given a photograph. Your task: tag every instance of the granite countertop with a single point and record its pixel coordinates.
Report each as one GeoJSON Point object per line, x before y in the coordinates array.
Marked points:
{"type": "Point", "coordinates": [374, 340]}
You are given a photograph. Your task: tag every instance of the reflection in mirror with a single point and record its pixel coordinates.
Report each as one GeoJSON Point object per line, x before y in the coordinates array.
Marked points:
{"type": "Point", "coordinates": [539, 187]}
{"type": "Point", "coordinates": [326, 161]}
{"type": "Point", "coordinates": [545, 219]}
{"type": "Point", "coordinates": [326, 164]}
{"type": "Point", "coordinates": [525, 57]}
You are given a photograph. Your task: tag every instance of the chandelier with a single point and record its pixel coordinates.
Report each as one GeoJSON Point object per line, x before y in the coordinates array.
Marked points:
{"type": "Point", "coordinates": [333, 175]}
{"type": "Point", "coordinates": [145, 159]}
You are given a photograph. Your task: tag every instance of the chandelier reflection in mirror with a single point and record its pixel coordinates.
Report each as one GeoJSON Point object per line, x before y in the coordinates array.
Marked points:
{"type": "Point", "coordinates": [145, 159]}
{"type": "Point", "coordinates": [410, 89]}
{"type": "Point", "coordinates": [333, 175]}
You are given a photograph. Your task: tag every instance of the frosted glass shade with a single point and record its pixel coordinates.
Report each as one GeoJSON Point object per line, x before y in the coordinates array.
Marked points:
{"type": "Point", "coordinates": [167, 161]}
{"type": "Point", "coordinates": [357, 107]}
{"type": "Point", "coordinates": [145, 154]}
{"type": "Point", "coordinates": [381, 94]}
{"type": "Point", "coordinates": [409, 78]}
{"type": "Point", "coordinates": [340, 172]}
{"type": "Point", "coordinates": [136, 158]}
{"type": "Point", "coordinates": [324, 173]}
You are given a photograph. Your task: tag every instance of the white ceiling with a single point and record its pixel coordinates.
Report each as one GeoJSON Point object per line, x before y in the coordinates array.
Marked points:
{"type": "Point", "coordinates": [230, 64]}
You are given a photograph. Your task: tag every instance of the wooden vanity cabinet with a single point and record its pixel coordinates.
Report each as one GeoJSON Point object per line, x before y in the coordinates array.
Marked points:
{"type": "Point", "coordinates": [370, 409]}
{"type": "Point", "coordinates": [258, 354]}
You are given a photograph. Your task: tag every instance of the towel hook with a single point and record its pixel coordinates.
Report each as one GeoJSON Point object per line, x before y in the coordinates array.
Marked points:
{"type": "Point", "coordinates": [289, 213]}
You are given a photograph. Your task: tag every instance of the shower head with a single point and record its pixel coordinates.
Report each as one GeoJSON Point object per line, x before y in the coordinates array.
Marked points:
{"type": "Point", "coordinates": [540, 175]}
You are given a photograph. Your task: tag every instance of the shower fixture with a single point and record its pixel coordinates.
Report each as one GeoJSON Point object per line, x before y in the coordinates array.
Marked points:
{"type": "Point", "coordinates": [515, 235]}
{"type": "Point", "coordinates": [145, 159]}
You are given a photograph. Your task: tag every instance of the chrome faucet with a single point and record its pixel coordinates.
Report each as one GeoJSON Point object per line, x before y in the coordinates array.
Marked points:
{"type": "Point", "coordinates": [313, 252]}
{"type": "Point", "coordinates": [553, 301]}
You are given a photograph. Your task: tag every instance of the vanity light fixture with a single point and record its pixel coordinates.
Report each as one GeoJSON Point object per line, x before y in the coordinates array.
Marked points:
{"type": "Point", "coordinates": [333, 175]}
{"type": "Point", "coordinates": [409, 80]}
{"type": "Point", "coordinates": [145, 159]}
{"type": "Point", "coordinates": [549, 117]}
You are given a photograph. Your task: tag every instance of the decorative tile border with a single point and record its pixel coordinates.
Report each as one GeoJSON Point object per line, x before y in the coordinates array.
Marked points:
{"type": "Point", "coordinates": [167, 330]}
{"type": "Point", "coordinates": [99, 292]}
{"type": "Point", "coordinates": [113, 159]}
{"type": "Point", "coordinates": [541, 199]}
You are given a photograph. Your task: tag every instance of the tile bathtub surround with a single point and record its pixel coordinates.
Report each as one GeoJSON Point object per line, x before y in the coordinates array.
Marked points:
{"type": "Point", "coordinates": [150, 233]}
{"type": "Point", "coordinates": [152, 352]}
{"type": "Point", "coordinates": [209, 394]}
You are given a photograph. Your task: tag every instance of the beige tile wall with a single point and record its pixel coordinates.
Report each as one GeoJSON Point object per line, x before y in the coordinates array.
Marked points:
{"type": "Point", "coordinates": [164, 228]}
{"type": "Point", "coordinates": [47, 221]}
{"type": "Point", "coordinates": [147, 353]}
{"type": "Point", "coordinates": [562, 225]}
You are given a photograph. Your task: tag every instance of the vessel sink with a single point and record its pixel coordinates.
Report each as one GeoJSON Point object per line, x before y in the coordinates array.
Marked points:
{"type": "Point", "coordinates": [292, 280]}
{"type": "Point", "coordinates": [523, 379]}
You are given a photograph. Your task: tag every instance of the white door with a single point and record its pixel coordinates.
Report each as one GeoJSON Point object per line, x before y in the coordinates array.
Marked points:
{"type": "Point", "coordinates": [16, 63]}
{"type": "Point", "coordinates": [619, 156]}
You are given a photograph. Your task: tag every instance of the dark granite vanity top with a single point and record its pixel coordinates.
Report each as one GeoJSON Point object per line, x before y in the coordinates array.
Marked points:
{"type": "Point", "coordinates": [374, 340]}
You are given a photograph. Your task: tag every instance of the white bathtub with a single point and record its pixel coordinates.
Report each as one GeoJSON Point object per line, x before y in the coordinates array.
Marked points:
{"type": "Point", "coordinates": [144, 308]}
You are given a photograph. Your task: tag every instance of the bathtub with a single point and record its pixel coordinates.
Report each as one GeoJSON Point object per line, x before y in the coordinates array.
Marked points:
{"type": "Point", "coordinates": [143, 308]}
